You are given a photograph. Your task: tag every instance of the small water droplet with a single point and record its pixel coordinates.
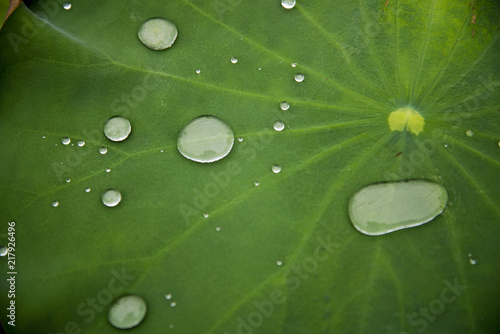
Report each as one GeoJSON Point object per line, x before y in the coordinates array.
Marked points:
{"type": "Point", "coordinates": [43, 137]}
{"type": "Point", "coordinates": [87, 190]}
{"type": "Point", "coordinates": [173, 304]}
{"type": "Point", "coordinates": [387, 207]}
{"type": "Point", "coordinates": [206, 215]}
{"type": "Point", "coordinates": [168, 296]}
{"type": "Point", "coordinates": [288, 4]}
{"type": "Point", "coordinates": [205, 139]}
{"type": "Point", "coordinates": [4, 251]}
{"type": "Point", "coordinates": [284, 105]}
{"type": "Point", "coordinates": [108, 170]}
{"type": "Point", "coordinates": [234, 60]}
{"type": "Point", "coordinates": [294, 64]}
{"type": "Point", "coordinates": [67, 5]}
{"type": "Point", "coordinates": [80, 143]}
{"type": "Point", "coordinates": [299, 77]}
{"type": "Point", "coordinates": [68, 180]}
{"type": "Point", "coordinates": [240, 139]}
{"type": "Point", "coordinates": [260, 68]}
{"type": "Point", "coordinates": [171, 326]}
{"type": "Point", "coordinates": [55, 204]}
{"type": "Point", "coordinates": [127, 312]}
{"type": "Point", "coordinates": [66, 140]}
{"type": "Point", "coordinates": [111, 197]}
{"type": "Point", "coordinates": [278, 126]}
{"type": "Point", "coordinates": [498, 143]}
{"type": "Point", "coordinates": [198, 71]}
{"type": "Point", "coordinates": [103, 150]}
{"type": "Point", "coordinates": [217, 229]}
{"type": "Point", "coordinates": [161, 151]}
{"type": "Point", "coordinates": [256, 183]}
{"type": "Point", "coordinates": [472, 261]}
{"type": "Point", "coordinates": [446, 145]}
{"type": "Point", "coordinates": [157, 33]}
{"type": "Point", "coordinates": [117, 128]}
{"type": "Point", "coordinates": [276, 169]}
{"type": "Point", "coordinates": [279, 263]}
{"type": "Point", "coordinates": [469, 133]}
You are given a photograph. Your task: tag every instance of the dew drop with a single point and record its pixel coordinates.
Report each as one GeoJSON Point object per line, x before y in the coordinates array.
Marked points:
{"type": "Point", "coordinates": [294, 64]}
{"type": "Point", "coordinates": [387, 207]}
{"type": "Point", "coordinates": [256, 183]}
{"type": "Point", "coordinates": [299, 77]}
{"type": "Point", "coordinates": [103, 150]}
{"type": "Point", "coordinates": [117, 128]}
{"type": "Point", "coordinates": [240, 139]}
{"type": "Point", "coordinates": [80, 143]}
{"type": "Point", "coordinates": [67, 5]}
{"type": "Point", "coordinates": [234, 60]}
{"type": "Point", "coordinates": [108, 170]}
{"type": "Point", "coordinates": [168, 296]}
{"type": "Point", "coordinates": [288, 4]}
{"type": "Point", "coordinates": [276, 169]}
{"type": "Point", "coordinates": [279, 263]}
{"type": "Point", "coordinates": [469, 133]}
{"type": "Point", "coordinates": [68, 180]}
{"type": "Point", "coordinates": [218, 229]}
{"type": "Point", "coordinates": [198, 71]}
{"type": "Point", "coordinates": [157, 33]}
{"type": "Point", "coordinates": [205, 139]}
{"type": "Point", "coordinates": [111, 197]}
{"type": "Point", "coordinates": [4, 251]}
{"type": "Point", "coordinates": [173, 304]}
{"type": "Point", "coordinates": [55, 204]}
{"type": "Point", "coordinates": [127, 312]}
{"type": "Point", "coordinates": [278, 126]}
{"type": "Point", "coordinates": [66, 141]}
{"type": "Point", "coordinates": [284, 105]}
{"type": "Point", "coordinates": [206, 215]}
{"type": "Point", "coordinates": [87, 190]}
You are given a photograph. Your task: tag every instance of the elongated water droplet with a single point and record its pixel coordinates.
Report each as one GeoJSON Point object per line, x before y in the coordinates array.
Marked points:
{"type": "Point", "coordinates": [117, 128]}
{"type": "Point", "coordinates": [387, 207]}
{"type": "Point", "coordinates": [276, 169]}
{"type": "Point", "coordinates": [80, 143]}
{"type": "Point", "coordinates": [284, 105]}
{"type": "Point", "coordinates": [234, 60]}
{"type": "Point", "coordinates": [67, 5]}
{"type": "Point", "coordinates": [469, 133]}
{"type": "Point", "coordinates": [278, 126]}
{"type": "Point", "coordinates": [157, 33]}
{"type": "Point", "coordinates": [205, 139]}
{"type": "Point", "coordinates": [87, 190]}
{"type": "Point", "coordinates": [299, 77]}
{"type": "Point", "coordinates": [288, 4]}
{"type": "Point", "coordinates": [55, 204]}
{"type": "Point", "coordinates": [103, 150]}
{"type": "Point", "coordinates": [127, 312]}
{"type": "Point", "coordinates": [4, 251]}
{"type": "Point", "coordinates": [66, 140]}
{"type": "Point", "coordinates": [111, 197]}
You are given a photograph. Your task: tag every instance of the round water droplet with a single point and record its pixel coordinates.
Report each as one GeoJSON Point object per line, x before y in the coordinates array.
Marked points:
{"type": "Point", "coordinates": [218, 229]}
{"type": "Point", "coordinates": [206, 215]}
{"type": "Point", "coordinates": [173, 304]}
{"type": "Point", "coordinates": [66, 140]}
{"type": "Point", "coordinates": [284, 105]}
{"type": "Point", "coordinates": [234, 60]}
{"type": "Point", "coordinates": [240, 139]}
{"type": "Point", "coordinates": [472, 261]}
{"type": "Point", "coordinates": [276, 169]}
{"type": "Point", "coordinates": [87, 190]}
{"type": "Point", "coordinates": [278, 126]}
{"type": "Point", "coordinates": [299, 77]}
{"type": "Point", "coordinates": [260, 68]}
{"type": "Point", "coordinates": [127, 312]}
{"type": "Point", "coordinates": [279, 263]}
{"type": "Point", "coordinates": [168, 296]}
{"type": "Point", "coordinates": [80, 143]}
{"type": "Point", "coordinates": [288, 4]}
{"type": "Point", "coordinates": [205, 139]}
{"type": "Point", "coordinates": [55, 204]}
{"type": "Point", "coordinates": [161, 151]}
{"type": "Point", "coordinates": [43, 137]}
{"type": "Point", "coordinates": [111, 197]}
{"type": "Point", "coordinates": [68, 180]}
{"type": "Point", "coordinates": [256, 183]}
{"type": "Point", "coordinates": [4, 251]}
{"type": "Point", "coordinates": [157, 33]}
{"type": "Point", "coordinates": [294, 64]}
{"type": "Point", "coordinates": [445, 145]}
{"type": "Point", "coordinates": [108, 170]}
{"type": "Point", "coordinates": [198, 71]}
{"type": "Point", "coordinates": [67, 5]}
{"type": "Point", "coordinates": [469, 133]}
{"type": "Point", "coordinates": [117, 128]}
{"type": "Point", "coordinates": [103, 150]}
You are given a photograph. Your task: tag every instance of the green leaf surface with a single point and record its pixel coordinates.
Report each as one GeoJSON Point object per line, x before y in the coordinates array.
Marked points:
{"type": "Point", "coordinates": [280, 257]}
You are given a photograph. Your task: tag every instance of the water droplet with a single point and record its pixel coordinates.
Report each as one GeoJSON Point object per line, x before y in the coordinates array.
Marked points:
{"type": "Point", "coordinates": [217, 229]}
{"type": "Point", "coordinates": [256, 183]}
{"type": "Point", "coordinates": [299, 77]}
{"type": "Point", "coordinates": [157, 33]}
{"type": "Point", "coordinates": [276, 169]}
{"type": "Point", "coordinates": [279, 263]}
{"type": "Point", "coordinates": [68, 180]}
{"type": "Point", "coordinates": [67, 5]}
{"type": "Point", "coordinates": [205, 139]}
{"type": "Point", "coordinates": [260, 68]}
{"type": "Point", "coordinates": [80, 143]}
{"type": "Point", "coordinates": [240, 139]}
{"type": "Point", "coordinates": [161, 151]}
{"type": "Point", "coordinates": [4, 251]}
{"type": "Point", "coordinates": [284, 105]}
{"type": "Point", "coordinates": [173, 304]}
{"type": "Point", "coordinates": [87, 190]}
{"type": "Point", "coordinates": [206, 215]}
{"type": "Point", "coordinates": [108, 170]}
{"type": "Point", "coordinates": [117, 128]}
{"type": "Point", "coordinates": [469, 133]}
{"type": "Point", "coordinates": [43, 137]}
{"type": "Point", "coordinates": [66, 140]}
{"type": "Point", "coordinates": [472, 261]}
{"type": "Point", "coordinates": [498, 143]}
{"type": "Point", "coordinates": [288, 4]}
{"type": "Point", "coordinates": [278, 126]}
{"type": "Point", "coordinates": [111, 197]}
{"type": "Point", "coordinates": [387, 207]}
{"type": "Point", "coordinates": [168, 296]}
{"type": "Point", "coordinates": [127, 312]}
{"type": "Point", "coordinates": [55, 204]}
{"type": "Point", "coordinates": [198, 71]}
{"type": "Point", "coordinates": [103, 150]}
{"type": "Point", "coordinates": [294, 64]}
{"type": "Point", "coordinates": [234, 60]}
{"type": "Point", "coordinates": [446, 145]}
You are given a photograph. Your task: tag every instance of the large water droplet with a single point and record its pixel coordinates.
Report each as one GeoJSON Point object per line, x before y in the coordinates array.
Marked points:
{"type": "Point", "coordinates": [299, 77]}
{"type": "Point", "coordinates": [205, 139]}
{"type": "Point", "coordinates": [284, 105]}
{"type": "Point", "coordinates": [278, 126]}
{"type": "Point", "coordinates": [67, 5]}
{"type": "Point", "coordinates": [66, 140]}
{"type": "Point", "coordinates": [117, 128]}
{"type": "Point", "coordinates": [4, 251]}
{"type": "Point", "coordinates": [127, 312]}
{"type": "Point", "coordinates": [288, 4]}
{"type": "Point", "coordinates": [111, 197]}
{"type": "Point", "coordinates": [387, 207]}
{"type": "Point", "coordinates": [276, 169]}
{"type": "Point", "coordinates": [469, 133]}
{"type": "Point", "coordinates": [103, 150]}
{"type": "Point", "coordinates": [157, 33]}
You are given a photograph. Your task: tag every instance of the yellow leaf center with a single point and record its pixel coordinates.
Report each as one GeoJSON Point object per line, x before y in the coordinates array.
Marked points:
{"type": "Point", "coordinates": [407, 119]}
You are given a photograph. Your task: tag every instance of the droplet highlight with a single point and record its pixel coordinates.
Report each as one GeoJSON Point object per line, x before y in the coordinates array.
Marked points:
{"type": "Point", "coordinates": [284, 105]}
{"type": "Point", "coordinates": [80, 143]}
{"type": "Point", "coordinates": [299, 77]}
{"type": "Point", "coordinates": [294, 64]}
{"type": "Point", "coordinates": [234, 60]}
{"type": "Point", "coordinates": [66, 141]}
{"type": "Point", "coordinates": [205, 139]}
{"type": "Point", "coordinates": [387, 207]}
{"type": "Point", "coordinates": [168, 296]}
{"type": "Point", "coordinates": [276, 169]}
{"type": "Point", "coordinates": [4, 251]}
{"type": "Point", "coordinates": [198, 71]}
{"type": "Point", "coordinates": [157, 33]}
{"type": "Point", "coordinates": [288, 4]}
{"type": "Point", "coordinates": [55, 204]}
{"type": "Point", "coordinates": [111, 198]}
{"type": "Point", "coordinates": [240, 139]}
{"type": "Point", "coordinates": [87, 190]}
{"type": "Point", "coordinates": [67, 5]}
{"type": "Point", "coordinates": [103, 150]}
{"type": "Point", "coordinates": [278, 126]}
{"type": "Point", "coordinates": [117, 128]}
{"type": "Point", "coordinates": [127, 312]}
